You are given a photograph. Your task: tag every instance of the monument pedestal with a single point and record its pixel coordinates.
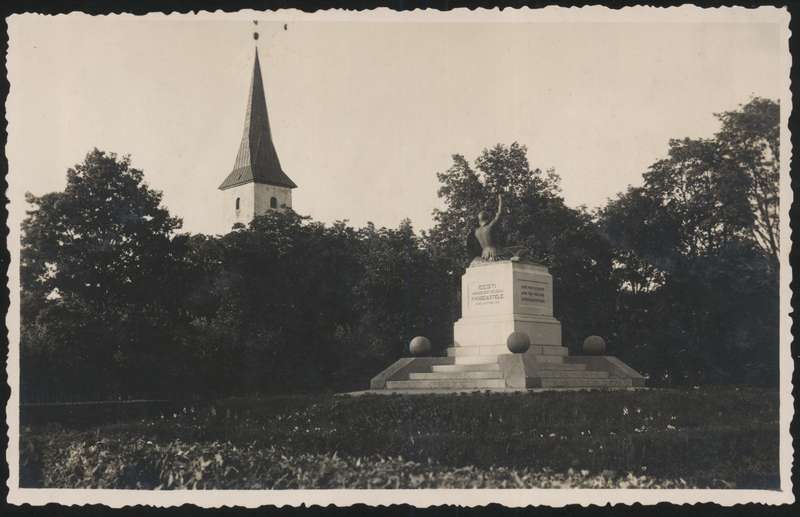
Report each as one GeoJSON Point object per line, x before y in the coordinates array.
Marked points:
{"type": "Point", "coordinates": [498, 298]}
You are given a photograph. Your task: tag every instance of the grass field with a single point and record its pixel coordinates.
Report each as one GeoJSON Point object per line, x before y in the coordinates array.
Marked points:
{"type": "Point", "coordinates": [720, 437]}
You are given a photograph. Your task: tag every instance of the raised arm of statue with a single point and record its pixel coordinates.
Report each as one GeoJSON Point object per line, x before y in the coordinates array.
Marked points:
{"type": "Point", "coordinates": [499, 210]}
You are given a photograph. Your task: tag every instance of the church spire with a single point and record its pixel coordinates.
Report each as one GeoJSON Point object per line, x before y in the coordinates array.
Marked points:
{"type": "Point", "coordinates": [257, 161]}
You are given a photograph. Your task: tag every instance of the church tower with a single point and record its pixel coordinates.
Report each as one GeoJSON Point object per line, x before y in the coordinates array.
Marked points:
{"type": "Point", "coordinates": [257, 182]}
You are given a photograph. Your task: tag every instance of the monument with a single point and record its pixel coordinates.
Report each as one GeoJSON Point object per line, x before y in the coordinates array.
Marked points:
{"type": "Point", "coordinates": [502, 295]}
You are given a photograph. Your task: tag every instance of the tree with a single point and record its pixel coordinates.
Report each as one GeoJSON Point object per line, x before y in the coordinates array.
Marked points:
{"type": "Point", "coordinates": [103, 237]}
{"type": "Point", "coordinates": [706, 194]}
{"type": "Point", "coordinates": [403, 291]}
{"type": "Point", "coordinates": [96, 261]}
{"type": "Point", "coordinates": [750, 147]}
{"type": "Point", "coordinates": [695, 251]}
{"type": "Point", "coordinates": [706, 205]}
{"type": "Point", "coordinates": [638, 233]}
{"type": "Point", "coordinates": [290, 304]}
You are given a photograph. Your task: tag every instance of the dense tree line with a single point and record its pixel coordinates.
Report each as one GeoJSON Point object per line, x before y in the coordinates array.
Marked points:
{"type": "Point", "coordinates": [696, 255]}
{"type": "Point", "coordinates": [679, 274]}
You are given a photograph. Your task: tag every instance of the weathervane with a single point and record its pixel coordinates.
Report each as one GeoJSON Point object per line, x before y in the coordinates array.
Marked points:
{"type": "Point", "coordinates": [256, 33]}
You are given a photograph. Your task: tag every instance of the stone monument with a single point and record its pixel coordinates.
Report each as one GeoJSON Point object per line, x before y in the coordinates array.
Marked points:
{"type": "Point", "coordinates": [501, 294]}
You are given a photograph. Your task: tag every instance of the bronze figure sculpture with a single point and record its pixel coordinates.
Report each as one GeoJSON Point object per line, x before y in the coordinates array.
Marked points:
{"type": "Point", "coordinates": [482, 245]}
{"type": "Point", "coordinates": [484, 234]}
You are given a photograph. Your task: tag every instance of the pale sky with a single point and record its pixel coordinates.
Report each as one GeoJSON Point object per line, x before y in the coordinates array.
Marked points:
{"type": "Point", "coordinates": [364, 114]}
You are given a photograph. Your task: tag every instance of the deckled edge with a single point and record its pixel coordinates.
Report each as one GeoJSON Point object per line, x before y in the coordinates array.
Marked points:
{"type": "Point", "coordinates": [428, 498]}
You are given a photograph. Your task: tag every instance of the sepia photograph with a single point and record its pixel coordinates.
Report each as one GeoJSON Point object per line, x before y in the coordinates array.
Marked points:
{"type": "Point", "coordinates": [426, 257]}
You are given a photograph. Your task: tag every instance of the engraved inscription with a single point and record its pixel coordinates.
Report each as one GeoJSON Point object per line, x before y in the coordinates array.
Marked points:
{"type": "Point", "coordinates": [486, 294]}
{"type": "Point", "coordinates": [533, 292]}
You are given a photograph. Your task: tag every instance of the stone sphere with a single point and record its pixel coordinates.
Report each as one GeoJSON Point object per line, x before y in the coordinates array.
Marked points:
{"type": "Point", "coordinates": [518, 342]}
{"type": "Point", "coordinates": [594, 345]}
{"type": "Point", "coordinates": [420, 345]}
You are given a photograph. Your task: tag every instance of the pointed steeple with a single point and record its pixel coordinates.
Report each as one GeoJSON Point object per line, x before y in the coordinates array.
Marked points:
{"type": "Point", "coordinates": [257, 160]}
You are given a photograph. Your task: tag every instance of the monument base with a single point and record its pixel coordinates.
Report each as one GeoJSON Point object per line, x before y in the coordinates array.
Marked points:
{"type": "Point", "coordinates": [482, 330]}
{"type": "Point", "coordinates": [507, 372]}
{"type": "Point", "coordinates": [499, 298]}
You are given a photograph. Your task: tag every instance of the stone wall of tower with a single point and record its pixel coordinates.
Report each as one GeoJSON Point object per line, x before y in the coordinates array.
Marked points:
{"type": "Point", "coordinates": [254, 199]}
{"type": "Point", "coordinates": [264, 194]}
{"type": "Point", "coordinates": [245, 194]}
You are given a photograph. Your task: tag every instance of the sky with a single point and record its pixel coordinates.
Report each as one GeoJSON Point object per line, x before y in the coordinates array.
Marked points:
{"type": "Point", "coordinates": [364, 113]}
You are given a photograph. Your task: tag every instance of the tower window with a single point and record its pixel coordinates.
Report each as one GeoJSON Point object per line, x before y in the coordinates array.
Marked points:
{"type": "Point", "coordinates": [273, 203]}
{"type": "Point", "coordinates": [237, 203]}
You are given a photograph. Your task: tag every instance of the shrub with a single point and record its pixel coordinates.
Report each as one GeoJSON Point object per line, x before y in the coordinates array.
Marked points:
{"type": "Point", "coordinates": [708, 437]}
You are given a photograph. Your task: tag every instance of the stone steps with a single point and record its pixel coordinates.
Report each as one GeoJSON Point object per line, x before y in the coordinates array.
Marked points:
{"type": "Point", "coordinates": [456, 375]}
{"type": "Point", "coordinates": [560, 367]}
{"type": "Point", "coordinates": [585, 382]}
{"type": "Point", "coordinates": [447, 384]}
{"type": "Point", "coordinates": [456, 351]}
{"type": "Point", "coordinates": [571, 374]}
{"type": "Point", "coordinates": [475, 359]}
{"type": "Point", "coordinates": [483, 367]}
{"type": "Point", "coordinates": [483, 372]}
{"type": "Point", "coordinates": [551, 360]}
